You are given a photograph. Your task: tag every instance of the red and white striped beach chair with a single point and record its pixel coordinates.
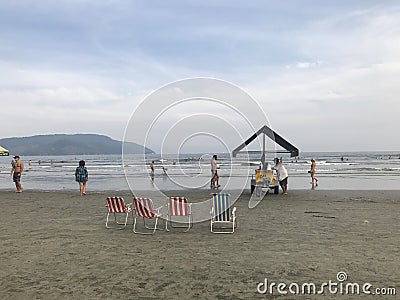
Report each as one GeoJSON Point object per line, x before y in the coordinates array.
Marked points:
{"type": "Point", "coordinates": [116, 205]}
{"type": "Point", "coordinates": [179, 207]}
{"type": "Point", "coordinates": [223, 214]}
{"type": "Point", "coordinates": [144, 209]}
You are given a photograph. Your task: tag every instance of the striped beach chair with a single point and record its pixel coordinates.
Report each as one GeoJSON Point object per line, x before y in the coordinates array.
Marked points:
{"type": "Point", "coordinates": [144, 210]}
{"type": "Point", "coordinates": [222, 214]}
{"type": "Point", "coordinates": [116, 205]}
{"type": "Point", "coordinates": [179, 207]}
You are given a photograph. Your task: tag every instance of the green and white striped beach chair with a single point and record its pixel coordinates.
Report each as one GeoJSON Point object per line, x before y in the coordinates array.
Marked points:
{"type": "Point", "coordinates": [222, 214]}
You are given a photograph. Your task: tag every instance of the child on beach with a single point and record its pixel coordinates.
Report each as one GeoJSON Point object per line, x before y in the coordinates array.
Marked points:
{"type": "Point", "coordinates": [81, 176]}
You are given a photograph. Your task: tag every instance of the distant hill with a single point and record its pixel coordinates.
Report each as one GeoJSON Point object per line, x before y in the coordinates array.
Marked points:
{"type": "Point", "coordinates": [69, 144]}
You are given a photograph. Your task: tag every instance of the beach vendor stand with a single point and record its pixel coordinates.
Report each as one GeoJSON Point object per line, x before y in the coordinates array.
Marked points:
{"type": "Point", "coordinates": [265, 178]}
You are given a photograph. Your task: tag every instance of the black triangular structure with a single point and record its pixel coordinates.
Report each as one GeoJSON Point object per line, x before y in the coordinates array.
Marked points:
{"type": "Point", "coordinates": [273, 136]}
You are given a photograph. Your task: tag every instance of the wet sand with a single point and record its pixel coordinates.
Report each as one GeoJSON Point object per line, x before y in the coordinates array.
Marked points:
{"type": "Point", "coordinates": [54, 245]}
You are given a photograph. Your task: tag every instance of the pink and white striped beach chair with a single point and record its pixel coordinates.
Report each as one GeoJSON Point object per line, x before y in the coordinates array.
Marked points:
{"type": "Point", "coordinates": [116, 205]}
{"type": "Point", "coordinates": [179, 207]}
{"type": "Point", "coordinates": [144, 209]}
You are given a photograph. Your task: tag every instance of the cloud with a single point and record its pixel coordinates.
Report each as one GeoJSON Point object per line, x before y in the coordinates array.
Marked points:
{"type": "Point", "coordinates": [317, 70]}
{"type": "Point", "coordinates": [307, 65]}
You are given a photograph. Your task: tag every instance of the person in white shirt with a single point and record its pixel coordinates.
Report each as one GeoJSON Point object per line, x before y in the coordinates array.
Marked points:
{"type": "Point", "coordinates": [282, 175]}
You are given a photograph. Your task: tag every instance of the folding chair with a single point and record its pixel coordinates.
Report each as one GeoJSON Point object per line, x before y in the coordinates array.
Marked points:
{"type": "Point", "coordinates": [179, 207]}
{"type": "Point", "coordinates": [221, 213]}
{"type": "Point", "coordinates": [116, 205]}
{"type": "Point", "coordinates": [144, 209]}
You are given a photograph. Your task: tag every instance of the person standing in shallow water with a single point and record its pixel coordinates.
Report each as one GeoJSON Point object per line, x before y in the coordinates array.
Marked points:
{"type": "Point", "coordinates": [81, 176]}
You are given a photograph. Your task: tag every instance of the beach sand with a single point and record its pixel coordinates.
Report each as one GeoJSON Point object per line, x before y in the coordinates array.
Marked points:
{"type": "Point", "coordinates": [54, 245]}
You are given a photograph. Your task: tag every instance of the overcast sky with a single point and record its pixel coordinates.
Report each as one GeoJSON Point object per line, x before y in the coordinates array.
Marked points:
{"type": "Point", "coordinates": [327, 73]}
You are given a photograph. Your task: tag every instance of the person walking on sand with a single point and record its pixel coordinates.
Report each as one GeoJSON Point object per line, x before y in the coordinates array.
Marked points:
{"type": "Point", "coordinates": [282, 175]}
{"type": "Point", "coordinates": [314, 180]}
{"type": "Point", "coordinates": [81, 176]}
{"type": "Point", "coordinates": [16, 171]}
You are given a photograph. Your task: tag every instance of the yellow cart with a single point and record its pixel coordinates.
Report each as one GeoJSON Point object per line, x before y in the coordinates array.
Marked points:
{"type": "Point", "coordinates": [264, 179]}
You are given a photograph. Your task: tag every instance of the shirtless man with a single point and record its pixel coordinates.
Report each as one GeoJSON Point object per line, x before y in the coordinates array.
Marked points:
{"type": "Point", "coordinates": [16, 171]}
{"type": "Point", "coordinates": [214, 174]}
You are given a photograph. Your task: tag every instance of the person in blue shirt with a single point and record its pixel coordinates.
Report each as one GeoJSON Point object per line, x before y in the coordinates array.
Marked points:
{"type": "Point", "coordinates": [81, 176]}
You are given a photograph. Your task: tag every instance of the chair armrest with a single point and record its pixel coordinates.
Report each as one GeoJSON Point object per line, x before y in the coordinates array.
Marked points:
{"type": "Point", "coordinates": [129, 207]}
{"type": "Point", "coordinates": [234, 212]}
{"type": "Point", "coordinates": [157, 210]}
{"type": "Point", "coordinates": [190, 208]}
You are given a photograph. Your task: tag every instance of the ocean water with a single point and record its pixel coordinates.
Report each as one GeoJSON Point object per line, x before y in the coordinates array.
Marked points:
{"type": "Point", "coordinates": [357, 170]}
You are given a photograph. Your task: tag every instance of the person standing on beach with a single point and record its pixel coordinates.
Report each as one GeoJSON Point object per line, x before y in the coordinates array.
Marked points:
{"type": "Point", "coordinates": [81, 176]}
{"type": "Point", "coordinates": [152, 168]}
{"type": "Point", "coordinates": [314, 180]}
{"type": "Point", "coordinates": [282, 175]}
{"type": "Point", "coordinates": [214, 175]}
{"type": "Point", "coordinates": [16, 171]}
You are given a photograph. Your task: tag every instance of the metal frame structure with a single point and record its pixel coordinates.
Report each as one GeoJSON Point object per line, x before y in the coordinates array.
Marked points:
{"type": "Point", "coordinates": [289, 148]}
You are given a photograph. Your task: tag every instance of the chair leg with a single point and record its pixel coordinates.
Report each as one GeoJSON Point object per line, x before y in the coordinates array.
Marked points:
{"type": "Point", "coordinates": [115, 218]}
{"type": "Point", "coordinates": [108, 214]}
{"type": "Point", "coordinates": [126, 219]}
{"type": "Point", "coordinates": [224, 229]}
{"type": "Point", "coordinates": [155, 225]}
{"type": "Point", "coordinates": [144, 223]}
{"type": "Point", "coordinates": [166, 223]}
{"type": "Point", "coordinates": [188, 226]}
